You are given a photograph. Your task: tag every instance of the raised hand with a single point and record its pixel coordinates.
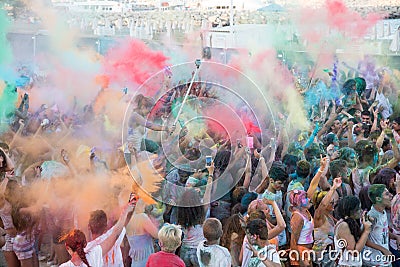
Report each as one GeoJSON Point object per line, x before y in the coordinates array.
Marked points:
{"type": "Point", "coordinates": [324, 162]}
{"type": "Point", "coordinates": [385, 124]}
{"type": "Point", "coordinates": [65, 156]}
{"type": "Point", "coordinates": [366, 223]}
{"type": "Point", "coordinates": [375, 112]}
{"type": "Point", "coordinates": [211, 168]}
{"type": "Point", "coordinates": [337, 182]}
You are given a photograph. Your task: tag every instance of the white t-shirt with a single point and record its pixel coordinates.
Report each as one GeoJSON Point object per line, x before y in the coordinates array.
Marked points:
{"type": "Point", "coordinates": [266, 253]}
{"type": "Point", "coordinates": [248, 253]}
{"type": "Point", "coordinates": [94, 257]}
{"type": "Point", "coordinates": [193, 236]}
{"type": "Point", "coordinates": [384, 102]}
{"type": "Point", "coordinates": [114, 256]}
{"type": "Point", "coordinates": [219, 256]}
{"type": "Point", "coordinates": [379, 235]}
{"type": "Point", "coordinates": [380, 229]}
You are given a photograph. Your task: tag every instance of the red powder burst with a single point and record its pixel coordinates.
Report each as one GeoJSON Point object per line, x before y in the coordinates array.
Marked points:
{"type": "Point", "coordinates": [133, 62]}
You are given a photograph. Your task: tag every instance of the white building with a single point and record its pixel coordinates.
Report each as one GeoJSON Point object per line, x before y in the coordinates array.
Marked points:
{"type": "Point", "coordinates": [237, 4]}
{"type": "Point", "coordinates": [91, 6]}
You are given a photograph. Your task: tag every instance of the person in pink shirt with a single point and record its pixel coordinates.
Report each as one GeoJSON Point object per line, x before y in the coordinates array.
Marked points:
{"type": "Point", "coordinates": [169, 240]}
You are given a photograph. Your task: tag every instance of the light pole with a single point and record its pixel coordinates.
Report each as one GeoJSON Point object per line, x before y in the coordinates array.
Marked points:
{"type": "Point", "coordinates": [98, 46]}
{"type": "Point", "coordinates": [231, 21]}
{"type": "Point", "coordinates": [34, 42]}
{"type": "Point", "coordinates": [225, 57]}
{"type": "Point", "coordinates": [34, 51]}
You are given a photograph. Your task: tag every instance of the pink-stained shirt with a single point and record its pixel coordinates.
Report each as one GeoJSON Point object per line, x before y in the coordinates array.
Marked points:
{"type": "Point", "coordinates": [165, 259]}
{"type": "Point", "coordinates": [395, 217]}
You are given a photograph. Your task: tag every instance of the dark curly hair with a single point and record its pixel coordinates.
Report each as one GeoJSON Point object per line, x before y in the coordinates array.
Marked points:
{"type": "Point", "coordinates": [258, 227]}
{"type": "Point", "coordinates": [278, 172]}
{"type": "Point", "coordinates": [346, 207]}
{"type": "Point", "coordinates": [191, 214]}
{"type": "Point", "coordinates": [221, 160]}
{"type": "Point", "coordinates": [386, 176]}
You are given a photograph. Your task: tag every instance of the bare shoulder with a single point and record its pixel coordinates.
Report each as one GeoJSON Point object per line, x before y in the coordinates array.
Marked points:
{"type": "Point", "coordinates": [343, 229]}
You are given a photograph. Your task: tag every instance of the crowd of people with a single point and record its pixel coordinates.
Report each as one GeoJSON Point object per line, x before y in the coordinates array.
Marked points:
{"type": "Point", "coordinates": [328, 196]}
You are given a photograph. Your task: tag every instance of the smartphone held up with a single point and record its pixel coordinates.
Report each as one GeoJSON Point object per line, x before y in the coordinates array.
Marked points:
{"type": "Point", "coordinates": [208, 161]}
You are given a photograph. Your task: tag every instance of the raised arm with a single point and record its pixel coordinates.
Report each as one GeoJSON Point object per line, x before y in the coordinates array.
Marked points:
{"type": "Point", "coordinates": [247, 172]}
{"type": "Point", "coordinates": [350, 139]}
{"type": "Point", "coordinates": [328, 123]}
{"type": "Point", "coordinates": [10, 164]}
{"type": "Point", "coordinates": [67, 162]}
{"type": "Point", "coordinates": [374, 127]}
{"type": "Point", "coordinates": [393, 162]}
{"type": "Point", "coordinates": [312, 136]}
{"type": "Point", "coordinates": [264, 169]}
{"type": "Point", "coordinates": [18, 133]}
{"type": "Point", "coordinates": [150, 228]}
{"type": "Point", "coordinates": [325, 204]}
{"type": "Point", "coordinates": [109, 242]}
{"type": "Point", "coordinates": [283, 138]}
{"type": "Point", "coordinates": [344, 233]}
{"type": "Point", "coordinates": [381, 138]}
{"type": "Point", "coordinates": [315, 181]}
{"type": "Point", "coordinates": [280, 222]}
{"type": "Point", "coordinates": [207, 193]}
{"type": "Point", "coordinates": [138, 119]}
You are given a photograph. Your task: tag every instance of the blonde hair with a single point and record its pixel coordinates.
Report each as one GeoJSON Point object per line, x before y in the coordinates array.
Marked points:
{"type": "Point", "coordinates": [170, 237]}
